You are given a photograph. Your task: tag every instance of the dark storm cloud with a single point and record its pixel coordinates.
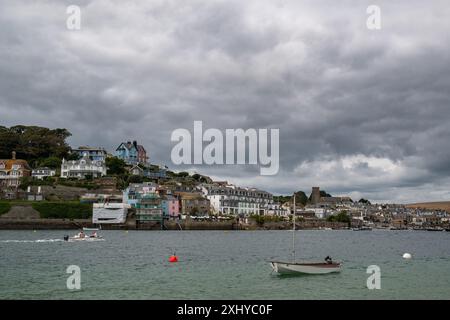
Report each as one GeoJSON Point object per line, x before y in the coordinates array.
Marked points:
{"type": "Point", "coordinates": [360, 112]}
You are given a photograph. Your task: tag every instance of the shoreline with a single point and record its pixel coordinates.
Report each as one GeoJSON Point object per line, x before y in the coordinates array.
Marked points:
{"type": "Point", "coordinates": [61, 224]}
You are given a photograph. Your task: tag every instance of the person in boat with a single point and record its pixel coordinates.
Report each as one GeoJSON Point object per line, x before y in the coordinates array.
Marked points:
{"type": "Point", "coordinates": [81, 234]}
{"type": "Point", "coordinates": [328, 260]}
{"type": "Point", "coordinates": [94, 234]}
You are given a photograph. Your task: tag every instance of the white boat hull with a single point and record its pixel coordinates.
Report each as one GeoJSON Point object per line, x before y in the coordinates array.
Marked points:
{"type": "Point", "coordinates": [305, 268]}
{"type": "Point", "coordinates": [76, 239]}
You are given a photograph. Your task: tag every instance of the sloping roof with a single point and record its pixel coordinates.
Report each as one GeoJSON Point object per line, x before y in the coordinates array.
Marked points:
{"type": "Point", "coordinates": [127, 145]}
{"type": "Point", "coordinates": [88, 148]}
{"type": "Point", "coordinates": [10, 162]}
{"type": "Point", "coordinates": [43, 168]}
{"type": "Point", "coordinates": [136, 167]}
{"type": "Point", "coordinates": [141, 148]}
{"type": "Point", "coordinates": [86, 160]}
{"type": "Point", "coordinates": [190, 195]}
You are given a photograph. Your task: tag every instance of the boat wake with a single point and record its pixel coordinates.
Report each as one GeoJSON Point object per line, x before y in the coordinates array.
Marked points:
{"type": "Point", "coordinates": [31, 241]}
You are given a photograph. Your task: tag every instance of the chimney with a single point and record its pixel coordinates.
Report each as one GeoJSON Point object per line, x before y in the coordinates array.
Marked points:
{"type": "Point", "coordinates": [14, 155]}
{"type": "Point", "coordinates": [135, 144]}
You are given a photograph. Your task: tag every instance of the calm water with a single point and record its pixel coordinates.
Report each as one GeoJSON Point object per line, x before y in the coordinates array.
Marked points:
{"type": "Point", "coordinates": [223, 265]}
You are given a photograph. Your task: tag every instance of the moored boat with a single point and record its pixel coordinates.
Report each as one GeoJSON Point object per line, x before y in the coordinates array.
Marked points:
{"type": "Point", "coordinates": [435, 229]}
{"type": "Point", "coordinates": [363, 228]}
{"type": "Point", "coordinates": [305, 267]}
{"type": "Point", "coordinates": [293, 267]}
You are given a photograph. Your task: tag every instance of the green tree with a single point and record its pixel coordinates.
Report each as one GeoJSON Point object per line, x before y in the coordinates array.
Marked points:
{"type": "Point", "coordinates": [31, 142]}
{"type": "Point", "coordinates": [73, 156]}
{"type": "Point", "coordinates": [365, 201]}
{"type": "Point", "coordinates": [115, 166]}
{"type": "Point", "coordinates": [301, 198]}
{"type": "Point", "coordinates": [340, 217]}
{"type": "Point", "coordinates": [135, 179]}
{"type": "Point", "coordinates": [183, 174]}
{"type": "Point", "coordinates": [51, 162]}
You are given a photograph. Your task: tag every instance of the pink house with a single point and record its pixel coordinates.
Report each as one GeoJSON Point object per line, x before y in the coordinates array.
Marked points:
{"type": "Point", "coordinates": [171, 207]}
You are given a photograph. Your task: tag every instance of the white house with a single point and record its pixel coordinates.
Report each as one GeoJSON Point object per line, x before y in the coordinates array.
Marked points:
{"type": "Point", "coordinates": [276, 209]}
{"type": "Point", "coordinates": [320, 213]}
{"type": "Point", "coordinates": [229, 199]}
{"type": "Point", "coordinates": [43, 172]}
{"type": "Point", "coordinates": [82, 168]}
{"type": "Point", "coordinates": [98, 154]}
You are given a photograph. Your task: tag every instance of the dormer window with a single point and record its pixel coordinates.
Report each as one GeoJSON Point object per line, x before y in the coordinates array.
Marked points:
{"type": "Point", "coordinates": [2, 165]}
{"type": "Point", "coordinates": [16, 166]}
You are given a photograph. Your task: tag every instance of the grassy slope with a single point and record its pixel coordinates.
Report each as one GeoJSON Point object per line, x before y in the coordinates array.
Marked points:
{"type": "Point", "coordinates": [441, 205]}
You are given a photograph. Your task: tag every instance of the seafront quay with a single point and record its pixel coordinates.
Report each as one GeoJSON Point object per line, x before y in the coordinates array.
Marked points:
{"type": "Point", "coordinates": [123, 189]}
{"type": "Point", "coordinates": [24, 217]}
{"type": "Point", "coordinates": [153, 206]}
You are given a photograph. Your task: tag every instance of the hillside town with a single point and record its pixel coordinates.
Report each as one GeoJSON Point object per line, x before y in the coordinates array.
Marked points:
{"type": "Point", "coordinates": [152, 195]}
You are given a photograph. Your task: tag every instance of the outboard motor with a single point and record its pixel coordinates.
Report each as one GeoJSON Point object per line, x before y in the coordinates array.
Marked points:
{"type": "Point", "coordinates": [66, 238]}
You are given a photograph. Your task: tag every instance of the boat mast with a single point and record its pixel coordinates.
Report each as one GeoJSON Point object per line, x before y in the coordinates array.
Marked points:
{"type": "Point", "coordinates": [293, 234]}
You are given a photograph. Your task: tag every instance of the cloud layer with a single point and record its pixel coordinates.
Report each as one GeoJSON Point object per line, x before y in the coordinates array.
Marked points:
{"type": "Point", "coordinates": [360, 112]}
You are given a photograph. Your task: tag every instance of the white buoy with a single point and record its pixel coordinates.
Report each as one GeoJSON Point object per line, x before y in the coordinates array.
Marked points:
{"type": "Point", "coordinates": [407, 256]}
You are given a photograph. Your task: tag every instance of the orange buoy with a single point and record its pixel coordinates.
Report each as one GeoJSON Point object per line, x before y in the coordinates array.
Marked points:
{"type": "Point", "coordinates": [173, 258]}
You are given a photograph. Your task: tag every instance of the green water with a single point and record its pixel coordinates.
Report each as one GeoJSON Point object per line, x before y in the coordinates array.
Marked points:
{"type": "Point", "coordinates": [222, 265]}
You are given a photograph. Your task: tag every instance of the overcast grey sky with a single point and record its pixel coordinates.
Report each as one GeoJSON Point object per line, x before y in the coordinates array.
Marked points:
{"type": "Point", "coordinates": [360, 112]}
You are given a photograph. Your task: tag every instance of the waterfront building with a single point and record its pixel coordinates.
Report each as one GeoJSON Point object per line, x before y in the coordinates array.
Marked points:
{"type": "Point", "coordinates": [41, 173]}
{"type": "Point", "coordinates": [193, 203]}
{"type": "Point", "coordinates": [320, 212]}
{"type": "Point", "coordinates": [111, 210]}
{"type": "Point", "coordinates": [135, 191]}
{"type": "Point", "coordinates": [132, 153]}
{"type": "Point", "coordinates": [11, 170]}
{"type": "Point", "coordinates": [171, 207]}
{"type": "Point", "coordinates": [95, 154]}
{"type": "Point", "coordinates": [276, 209]}
{"type": "Point", "coordinates": [232, 200]}
{"type": "Point", "coordinates": [148, 208]}
{"type": "Point", "coordinates": [83, 168]}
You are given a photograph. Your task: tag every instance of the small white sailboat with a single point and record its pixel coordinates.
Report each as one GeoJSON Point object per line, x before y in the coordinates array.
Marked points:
{"type": "Point", "coordinates": [293, 267]}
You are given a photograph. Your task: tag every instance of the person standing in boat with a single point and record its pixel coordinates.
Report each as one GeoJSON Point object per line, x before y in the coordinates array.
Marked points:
{"type": "Point", "coordinates": [328, 260]}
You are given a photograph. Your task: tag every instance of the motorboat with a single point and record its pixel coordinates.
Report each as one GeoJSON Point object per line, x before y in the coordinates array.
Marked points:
{"type": "Point", "coordinates": [84, 237]}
